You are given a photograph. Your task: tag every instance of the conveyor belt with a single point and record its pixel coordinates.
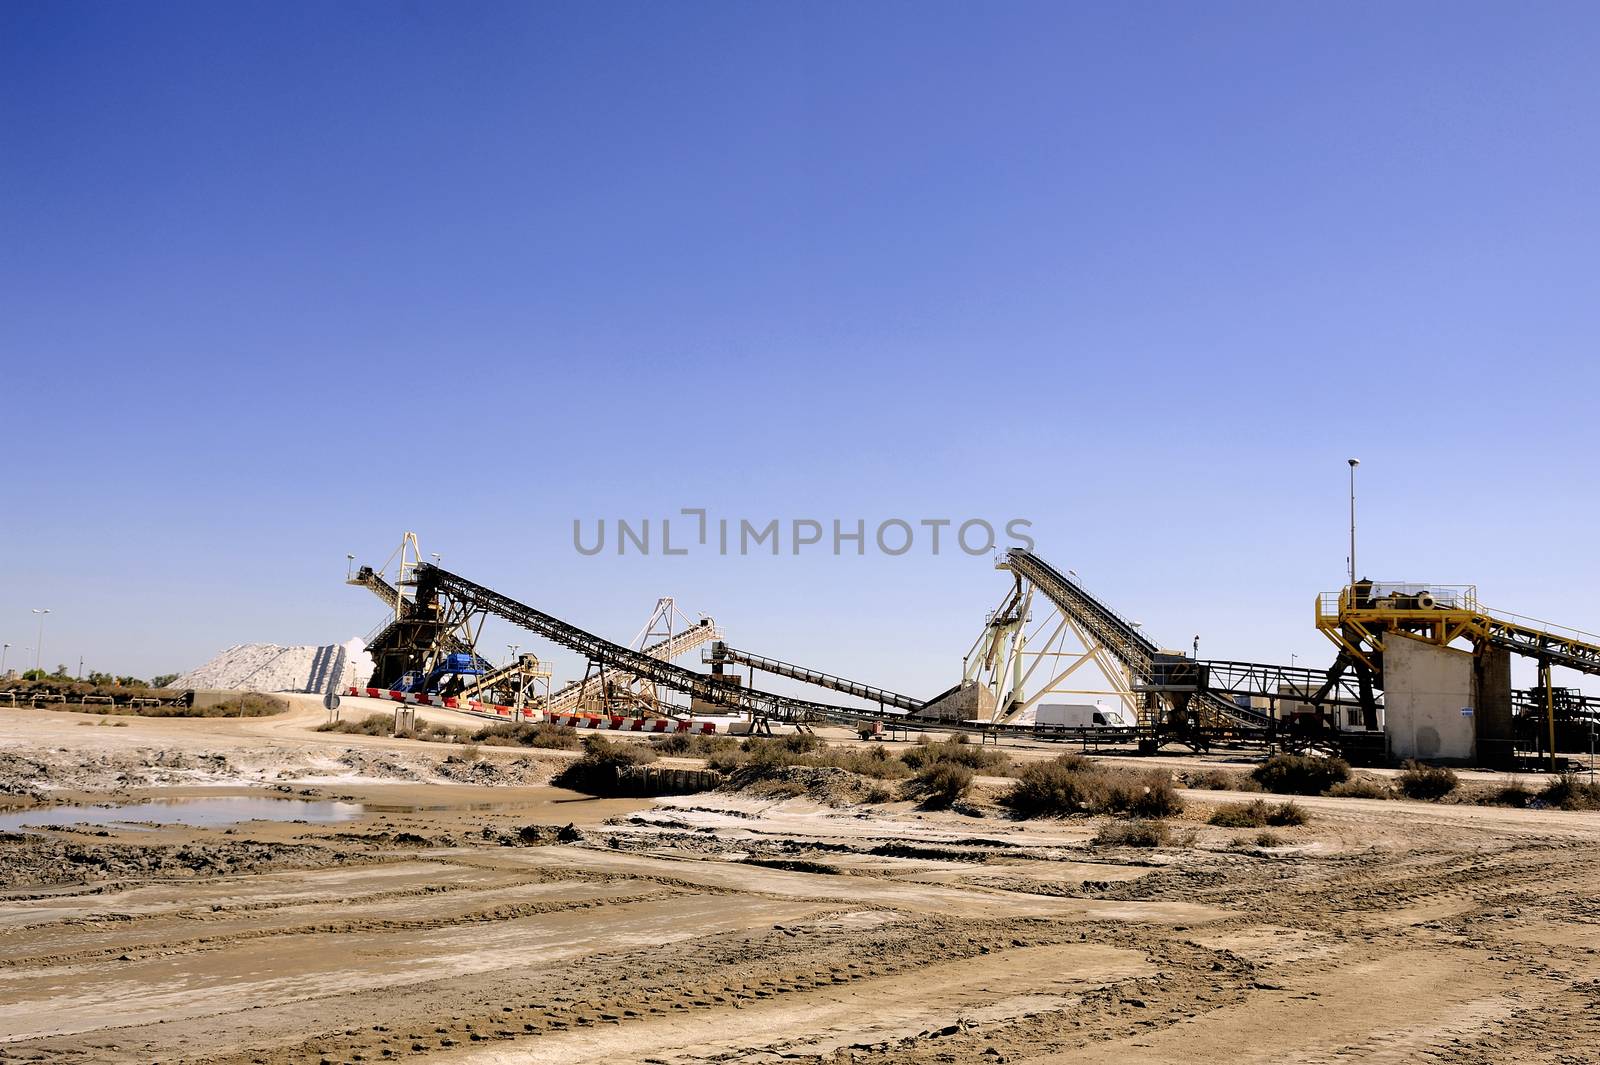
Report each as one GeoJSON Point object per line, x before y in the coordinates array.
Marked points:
{"type": "Point", "coordinates": [822, 680]}
{"type": "Point", "coordinates": [431, 581]}
{"type": "Point", "coordinates": [572, 695]}
{"type": "Point", "coordinates": [1115, 633]}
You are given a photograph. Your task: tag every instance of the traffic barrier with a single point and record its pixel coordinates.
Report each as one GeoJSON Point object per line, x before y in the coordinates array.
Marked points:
{"type": "Point", "coordinates": [467, 706]}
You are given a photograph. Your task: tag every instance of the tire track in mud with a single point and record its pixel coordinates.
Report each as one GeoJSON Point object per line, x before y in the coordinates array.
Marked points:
{"type": "Point", "coordinates": [1317, 891]}
{"type": "Point", "coordinates": [735, 970]}
{"type": "Point", "coordinates": [507, 912]}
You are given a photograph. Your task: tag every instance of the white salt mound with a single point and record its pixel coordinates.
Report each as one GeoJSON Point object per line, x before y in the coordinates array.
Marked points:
{"type": "Point", "coordinates": [266, 667]}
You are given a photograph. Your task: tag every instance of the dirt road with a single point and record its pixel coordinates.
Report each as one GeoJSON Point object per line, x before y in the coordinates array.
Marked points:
{"type": "Point", "coordinates": [452, 922]}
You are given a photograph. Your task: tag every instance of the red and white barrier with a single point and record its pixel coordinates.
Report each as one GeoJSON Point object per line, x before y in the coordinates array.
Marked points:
{"type": "Point", "coordinates": [612, 722]}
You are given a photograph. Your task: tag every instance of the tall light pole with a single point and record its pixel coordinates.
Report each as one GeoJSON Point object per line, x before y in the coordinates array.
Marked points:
{"type": "Point", "coordinates": [1353, 464]}
{"type": "Point", "coordinates": [5, 650]}
{"type": "Point", "coordinates": [38, 646]}
{"type": "Point", "coordinates": [520, 682]}
{"type": "Point", "coordinates": [349, 566]}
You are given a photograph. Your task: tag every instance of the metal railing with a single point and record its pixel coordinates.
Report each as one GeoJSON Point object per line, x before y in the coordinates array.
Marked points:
{"type": "Point", "coordinates": [1398, 596]}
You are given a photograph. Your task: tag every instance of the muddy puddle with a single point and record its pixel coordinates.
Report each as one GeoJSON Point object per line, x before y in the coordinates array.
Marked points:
{"type": "Point", "coordinates": [211, 812]}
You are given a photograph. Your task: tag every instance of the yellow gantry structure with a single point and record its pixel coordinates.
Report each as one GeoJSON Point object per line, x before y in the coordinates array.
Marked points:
{"type": "Point", "coordinates": [1359, 617]}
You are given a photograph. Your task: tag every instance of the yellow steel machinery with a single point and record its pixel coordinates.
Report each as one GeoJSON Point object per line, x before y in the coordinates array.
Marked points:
{"type": "Point", "coordinates": [1363, 616]}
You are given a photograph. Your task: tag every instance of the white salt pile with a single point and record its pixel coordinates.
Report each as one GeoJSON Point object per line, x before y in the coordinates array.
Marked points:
{"type": "Point", "coordinates": [266, 667]}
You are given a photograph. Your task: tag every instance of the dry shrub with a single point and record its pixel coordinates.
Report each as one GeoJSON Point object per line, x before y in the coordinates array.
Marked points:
{"type": "Point", "coordinates": [514, 734]}
{"type": "Point", "coordinates": [764, 756]}
{"type": "Point", "coordinates": [1257, 814]}
{"type": "Point", "coordinates": [694, 744]}
{"type": "Point", "coordinates": [371, 725]}
{"type": "Point", "coordinates": [596, 772]}
{"type": "Point", "coordinates": [1419, 781]}
{"type": "Point", "coordinates": [1220, 780]}
{"type": "Point", "coordinates": [1571, 792]}
{"type": "Point", "coordinates": [245, 704]}
{"type": "Point", "coordinates": [1360, 787]}
{"type": "Point", "coordinates": [1268, 839]}
{"type": "Point", "coordinates": [958, 752]}
{"type": "Point", "coordinates": [1514, 793]}
{"type": "Point", "coordinates": [796, 742]}
{"type": "Point", "coordinates": [940, 784]}
{"type": "Point", "coordinates": [875, 762]}
{"type": "Point", "coordinates": [1301, 774]}
{"type": "Point", "coordinates": [1071, 784]}
{"type": "Point", "coordinates": [435, 733]}
{"type": "Point", "coordinates": [1133, 834]}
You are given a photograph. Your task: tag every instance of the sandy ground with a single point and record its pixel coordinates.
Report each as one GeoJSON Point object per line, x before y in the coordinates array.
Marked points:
{"type": "Point", "coordinates": [458, 919]}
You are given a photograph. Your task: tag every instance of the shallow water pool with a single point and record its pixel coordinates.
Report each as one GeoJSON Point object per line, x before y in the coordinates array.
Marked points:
{"type": "Point", "coordinates": [196, 813]}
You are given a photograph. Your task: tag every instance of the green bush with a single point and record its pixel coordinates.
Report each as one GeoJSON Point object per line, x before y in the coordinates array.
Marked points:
{"type": "Point", "coordinates": [1257, 814]}
{"type": "Point", "coordinates": [1133, 834]}
{"type": "Point", "coordinates": [1419, 781]}
{"type": "Point", "coordinates": [1301, 774]}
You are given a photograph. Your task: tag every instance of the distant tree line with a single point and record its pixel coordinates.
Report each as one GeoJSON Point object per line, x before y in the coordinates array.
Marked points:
{"type": "Point", "coordinates": [104, 680]}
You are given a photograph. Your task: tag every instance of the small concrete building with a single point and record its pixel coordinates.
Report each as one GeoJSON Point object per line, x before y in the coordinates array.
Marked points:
{"type": "Point", "coordinates": [1429, 701]}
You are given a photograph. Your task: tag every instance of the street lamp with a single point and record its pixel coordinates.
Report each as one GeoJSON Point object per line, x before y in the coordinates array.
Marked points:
{"type": "Point", "coordinates": [349, 566]}
{"type": "Point", "coordinates": [39, 644]}
{"type": "Point", "coordinates": [3, 652]}
{"type": "Point", "coordinates": [1353, 464]}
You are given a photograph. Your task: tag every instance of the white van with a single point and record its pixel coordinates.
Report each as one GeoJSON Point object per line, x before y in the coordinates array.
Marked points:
{"type": "Point", "coordinates": [1081, 715]}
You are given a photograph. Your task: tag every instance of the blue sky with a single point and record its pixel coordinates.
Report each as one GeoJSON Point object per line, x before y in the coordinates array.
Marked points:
{"type": "Point", "coordinates": [280, 281]}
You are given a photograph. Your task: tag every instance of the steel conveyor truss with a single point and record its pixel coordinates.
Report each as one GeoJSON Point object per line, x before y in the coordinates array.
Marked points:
{"type": "Point", "coordinates": [869, 692]}
{"type": "Point", "coordinates": [458, 593]}
{"type": "Point", "coordinates": [571, 696]}
{"type": "Point", "coordinates": [1147, 667]}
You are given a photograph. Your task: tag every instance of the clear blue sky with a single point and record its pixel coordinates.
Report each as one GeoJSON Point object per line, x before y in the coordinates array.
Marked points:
{"type": "Point", "coordinates": [279, 281]}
